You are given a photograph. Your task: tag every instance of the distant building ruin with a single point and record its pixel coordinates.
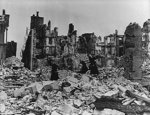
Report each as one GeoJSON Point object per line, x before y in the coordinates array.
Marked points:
{"type": "Point", "coordinates": [34, 47]}
{"type": "Point", "coordinates": [113, 48]}
{"type": "Point", "coordinates": [87, 42]}
{"type": "Point", "coordinates": [11, 49]}
{"type": "Point", "coordinates": [43, 42]}
{"type": "Point", "coordinates": [4, 24]}
{"type": "Point", "coordinates": [146, 36]}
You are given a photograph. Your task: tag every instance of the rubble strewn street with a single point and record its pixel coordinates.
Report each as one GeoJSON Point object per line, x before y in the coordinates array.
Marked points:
{"type": "Point", "coordinates": [23, 93]}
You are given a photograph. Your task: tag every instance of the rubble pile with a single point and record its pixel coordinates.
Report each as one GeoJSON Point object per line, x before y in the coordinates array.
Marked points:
{"type": "Point", "coordinates": [82, 57]}
{"type": "Point", "coordinates": [16, 78]}
{"type": "Point", "coordinates": [31, 92]}
{"type": "Point", "coordinates": [72, 94]}
{"type": "Point", "coordinates": [42, 62]}
{"type": "Point", "coordinates": [43, 73]}
{"type": "Point", "coordinates": [146, 67]}
{"type": "Point", "coordinates": [13, 61]}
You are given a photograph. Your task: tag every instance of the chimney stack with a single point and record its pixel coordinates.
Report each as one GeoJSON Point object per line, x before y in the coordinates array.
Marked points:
{"type": "Point", "coordinates": [37, 14]}
{"type": "Point", "coordinates": [3, 11]}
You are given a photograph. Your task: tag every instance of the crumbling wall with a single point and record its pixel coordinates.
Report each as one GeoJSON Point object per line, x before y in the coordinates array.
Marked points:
{"type": "Point", "coordinates": [11, 49]}
{"type": "Point", "coordinates": [133, 52]}
{"type": "Point", "coordinates": [87, 43]}
{"type": "Point", "coordinates": [146, 36]}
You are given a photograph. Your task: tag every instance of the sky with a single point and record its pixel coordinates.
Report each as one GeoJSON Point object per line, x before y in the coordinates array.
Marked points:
{"type": "Point", "coordinates": [102, 17]}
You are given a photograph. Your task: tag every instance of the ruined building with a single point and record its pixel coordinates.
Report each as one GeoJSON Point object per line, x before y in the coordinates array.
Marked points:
{"type": "Point", "coordinates": [146, 36]}
{"type": "Point", "coordinates": [113, 47]}
{"type": "Point", "coordinates": [41, 42]}
{"type": "Point", "coordinates": [50, 40]}
{"type": "Point", "coordinates": [11, 49]}
{"type": "Point", "coordinates": [64, 45]}
{"type": "Point", "coordinates": [4, 23]}
{"type": "Point", "coordinates": [87, 43]}
{"type": "Point", "coordinates": [133, 57]}
{"type": "Point", "coordinates": [72, 34]}
{"type": "Point", "coordinates": [34, 47]}
{"type": "Point", "coordinates": [114, 44]}
{"type": "Point", "coordinates": [7, 49]}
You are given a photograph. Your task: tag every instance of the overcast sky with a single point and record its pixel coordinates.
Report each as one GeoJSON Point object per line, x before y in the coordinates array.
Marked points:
{"type": "Point", "coordinates": [99, 16]}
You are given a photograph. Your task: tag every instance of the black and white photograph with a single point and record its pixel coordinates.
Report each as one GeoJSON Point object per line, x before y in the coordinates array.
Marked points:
{"type": "Point", "coordinates": [74, 57]}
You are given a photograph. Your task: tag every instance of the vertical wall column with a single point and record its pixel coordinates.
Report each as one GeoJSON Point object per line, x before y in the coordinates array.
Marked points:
{"type": "Point", "coordinates": [133, 52]}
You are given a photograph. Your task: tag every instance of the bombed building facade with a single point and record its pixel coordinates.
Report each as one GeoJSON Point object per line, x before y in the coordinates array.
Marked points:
{"type": "Point", "coordinates": [7, 49]}
{"type": "Point", "coordinates": [44, 42]}
{"type": "Point", "coordinates": [4, 23]}
{"type": "Point", "coordinates": [11, 49]}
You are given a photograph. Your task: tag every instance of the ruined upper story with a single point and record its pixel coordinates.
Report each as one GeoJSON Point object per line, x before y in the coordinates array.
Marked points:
{"type": "Point", "coordinates": [36, 21]}
{"type": "Point", "coordinates": [4, 23]}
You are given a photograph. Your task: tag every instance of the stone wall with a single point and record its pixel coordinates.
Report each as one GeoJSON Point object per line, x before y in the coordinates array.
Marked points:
{"type": "Point", "coordinates": [133, 52]}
